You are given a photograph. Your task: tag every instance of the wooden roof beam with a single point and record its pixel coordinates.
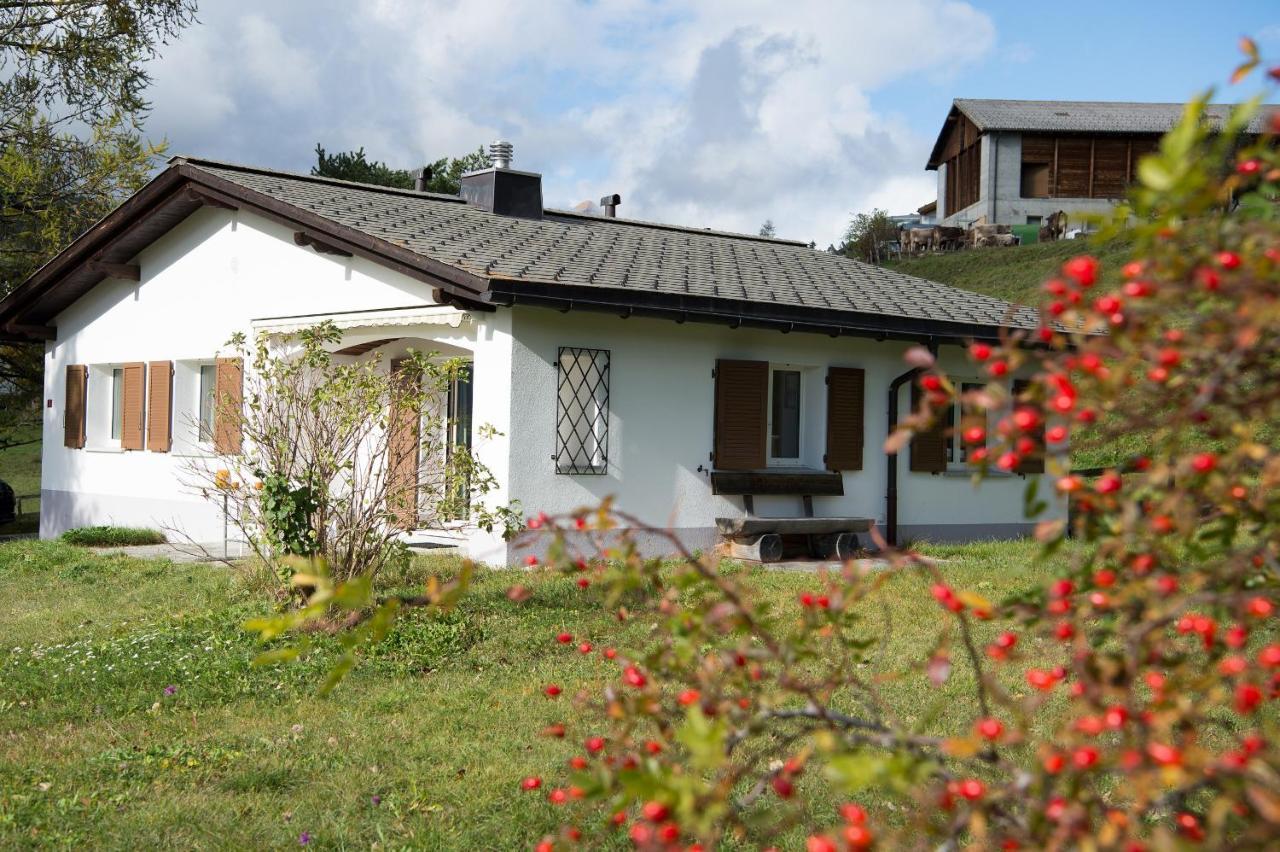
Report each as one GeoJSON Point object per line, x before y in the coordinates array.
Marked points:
{"type": "Point", "coordinates": [304, 239]}
{"type": "Point", "coordinates": [126, 271]}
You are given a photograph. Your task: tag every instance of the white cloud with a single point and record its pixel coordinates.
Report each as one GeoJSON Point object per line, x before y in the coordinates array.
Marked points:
{"type": "Point", "coordinates": [719, 113]}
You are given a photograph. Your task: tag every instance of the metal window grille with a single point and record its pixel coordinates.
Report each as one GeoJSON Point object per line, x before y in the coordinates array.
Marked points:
{"type": "Point", "coordinates": [582, 410]}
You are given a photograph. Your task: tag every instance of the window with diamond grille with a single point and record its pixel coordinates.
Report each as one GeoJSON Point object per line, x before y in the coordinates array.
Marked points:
{"type": "Point", "coordinates": [582, 410]}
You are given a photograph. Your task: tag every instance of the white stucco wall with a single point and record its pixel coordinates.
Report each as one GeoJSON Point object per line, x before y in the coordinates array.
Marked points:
{"type": "Point", "coordinates": [206, 279]}
{"type": "Point", "coordinates": [661, 401]}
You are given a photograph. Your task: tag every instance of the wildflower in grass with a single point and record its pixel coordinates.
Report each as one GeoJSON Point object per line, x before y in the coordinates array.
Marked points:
{"type": "Point", "coordinates": [304, 838]}
{"type": "Point", "coordinates": [170, 689]}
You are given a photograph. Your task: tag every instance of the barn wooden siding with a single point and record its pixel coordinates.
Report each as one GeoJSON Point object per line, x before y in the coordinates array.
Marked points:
{"type": "Point", "coordinates": [962, 156]}
{"type": "Point", "coordinates": [1081, 166]}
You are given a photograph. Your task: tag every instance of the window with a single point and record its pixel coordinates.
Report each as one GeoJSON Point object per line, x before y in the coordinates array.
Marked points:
{"type": "Point", "coordinates": [957, 448]}
{"type": "Point", "coordinates": [207, 401]}
{"type": "Point", "coordinates": [117, 403]}
{"type": "Point", "coordinates": [784, 416]}
{"type": "Point", "coordinates": [582, 410]}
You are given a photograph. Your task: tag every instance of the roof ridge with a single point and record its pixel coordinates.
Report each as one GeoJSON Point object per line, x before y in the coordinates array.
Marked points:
{"type": "Point", "coordinates": [262, 170]}
{"type": "Point", "coordinates": [667, 226]}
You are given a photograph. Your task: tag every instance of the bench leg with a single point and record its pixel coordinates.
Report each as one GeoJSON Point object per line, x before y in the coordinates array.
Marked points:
{"type": "Point", "coordinates": [841, 546]}
{"type": "Point", "coordinates": [765, 548]}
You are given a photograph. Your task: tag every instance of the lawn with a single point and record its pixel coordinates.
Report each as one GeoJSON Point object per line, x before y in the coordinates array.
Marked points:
{"type": "Point", "coordinates": [20, 467]}
{"type": "Point", "coordinates": [441, 723]}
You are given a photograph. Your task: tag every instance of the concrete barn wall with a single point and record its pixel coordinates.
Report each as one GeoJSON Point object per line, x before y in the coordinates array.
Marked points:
{"type": "Point", "coordinates": [660, 429]}
{"type": "Point", "coordinates": [203, 281]}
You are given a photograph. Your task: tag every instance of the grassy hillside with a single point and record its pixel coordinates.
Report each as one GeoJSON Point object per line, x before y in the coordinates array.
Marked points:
{"type": "Point", "coordinates": [1014, 274]}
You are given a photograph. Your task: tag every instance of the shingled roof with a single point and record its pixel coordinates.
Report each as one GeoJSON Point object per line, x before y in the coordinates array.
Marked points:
{"type": "Point", "coordinates": [572, 260]}
{"type": "Point", "coordinates": [1088, 116]}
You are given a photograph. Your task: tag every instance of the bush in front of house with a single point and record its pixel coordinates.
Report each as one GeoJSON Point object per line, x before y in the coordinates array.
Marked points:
{"type": "Point", "coordinates": [112, 536]}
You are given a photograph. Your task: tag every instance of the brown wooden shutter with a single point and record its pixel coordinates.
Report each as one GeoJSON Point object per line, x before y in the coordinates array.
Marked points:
{"type": "Point", "coordinates": [73, 409]}
{"type": "Point", "coordinates": [741, 414]}
{"type": "Point", "coordinates": [1033, 463]}
{"type": "Point", "coordinates": [929, 449]}
{"type": "Point", "coordinates": [133, 405]}
{"type": "Point", "coordinates": [402, 451]}
{"type": "Point", "coordinates": [228, 404]}
{"type": "Point", "coordinates": [159, 406]}
{"type": "Point", "coordinates": [845, 398]}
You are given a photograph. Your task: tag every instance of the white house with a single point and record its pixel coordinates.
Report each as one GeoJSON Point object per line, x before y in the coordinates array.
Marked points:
{"type": "Point", "coordinates": [693, 374]}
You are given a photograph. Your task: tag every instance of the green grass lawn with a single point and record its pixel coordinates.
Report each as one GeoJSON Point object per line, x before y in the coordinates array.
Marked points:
{"type": "Point", "coordinates": [441, 722]}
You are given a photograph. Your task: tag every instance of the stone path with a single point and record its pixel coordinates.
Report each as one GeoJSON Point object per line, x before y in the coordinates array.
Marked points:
{"type": "Point", "coordinates": [180, 551]}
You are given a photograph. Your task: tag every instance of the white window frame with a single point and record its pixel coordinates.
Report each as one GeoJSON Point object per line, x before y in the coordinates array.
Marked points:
{"type": "Point", "coordinates": [185, 412]}
{"type": "Point", "coordinates": [786, 461]}
{"type": "Point", "coordinates": [99, 408]}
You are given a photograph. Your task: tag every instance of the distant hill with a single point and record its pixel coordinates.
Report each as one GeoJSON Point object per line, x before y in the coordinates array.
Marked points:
{"type": "Point", "coordinates": [1014, 274]}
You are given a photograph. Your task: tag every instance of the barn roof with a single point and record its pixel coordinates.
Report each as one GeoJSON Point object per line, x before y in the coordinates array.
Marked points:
{"type": "Point", "coordinates": [1098, 117]}
{"type": "Point", "coordinates": [567, 260]}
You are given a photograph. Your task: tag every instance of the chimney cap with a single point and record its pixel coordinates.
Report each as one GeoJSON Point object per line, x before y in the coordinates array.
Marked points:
{"type": "Point", "coordinates": [501, 153]}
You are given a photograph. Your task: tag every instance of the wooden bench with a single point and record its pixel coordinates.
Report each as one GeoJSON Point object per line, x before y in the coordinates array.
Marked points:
{"type": "Point", "coordinates": [764, 539]}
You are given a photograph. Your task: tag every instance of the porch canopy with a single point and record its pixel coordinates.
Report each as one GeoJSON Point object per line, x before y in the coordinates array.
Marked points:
{"type": "Point", "coordinates": [363, 331]}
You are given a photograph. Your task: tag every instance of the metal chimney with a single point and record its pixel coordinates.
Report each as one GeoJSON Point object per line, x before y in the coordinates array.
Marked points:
{"type": "Point", "coordinates": [501, 189]}
{"type": "Point", "coordinates": [420, 179]}
{"type": "Point", "coordinates": [610, 204]}
{"type": "Point", "coordinates": [500, 154]}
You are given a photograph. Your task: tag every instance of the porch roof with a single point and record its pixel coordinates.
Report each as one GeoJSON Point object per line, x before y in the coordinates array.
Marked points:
{"type": "Point", "coordinates": [376, 318]}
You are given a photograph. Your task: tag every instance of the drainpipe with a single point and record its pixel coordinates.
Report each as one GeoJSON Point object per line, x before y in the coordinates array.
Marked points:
{"type": "Point", "coordinates": [891, 492]}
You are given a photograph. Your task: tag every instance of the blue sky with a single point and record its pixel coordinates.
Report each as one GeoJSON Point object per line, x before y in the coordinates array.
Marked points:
{"type": "Point", "coordinates": [717, 113]}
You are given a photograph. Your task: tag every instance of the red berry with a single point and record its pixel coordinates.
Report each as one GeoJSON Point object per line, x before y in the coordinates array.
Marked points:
{"type": "Point", "coordinates": [1248, 697]}
{"type": "Point", "coordinates": [564, 638]}
{"type": "Point", "coordinates": [820, 843]}
{"type": "Point", "coordinates": [1269, 657]}
{"type": "Point", "coordinates": [609, 653]}
{"type": "Point", "coordinates": [1108, 483]}
{"type": "Point", "coordinates": [653, 747]}
{"type": "Point", "coordinates": [531, 783]}
{"type": "Point", "coordinates": [997, 368]}
{"type": "Point", "coordinates": [531, 560]}
{"type": "Point", "coordinates": [989, 728]}
{"type": "Point", "coordinates": [1209, 278]}
{"type": "Point", "coordinates": [1249, 168]}
{"type": "Point", "coordinates": [783, 786]}
{"type": "Point", "coordinates": [1204, 462]}
{"type": "Point", "coordinates": [584, 648]}
{"type": "Point", "coordinates": [930, 382]}
{"type": "Point", "coordinates": [1083, 270]}
{"type": "Point", "coordinates": [857, 836]}
{"type": "Point", "coordinates": [552, 690]}
{"type": "Point", "coordinates": [634, 677]}
{"type": "Point", "coordinates": [655, 811]}
{"type": "Point", "coordinates": [980, 351]}
{"type": "Point", "coordinates": [972, 789]}
{"type": "Point", "coordinates": [1228, 260]}
{"type": "Point", "coordinates": [1165, 755]}
{"type": "Point", "coordinates": [594, 745]}
{"type": "Point", "coordinates": [1084, 757]}
{"type": "Point", "coordinates": [689, 696]}
{"type": "Point", "coordinates": [558, 796]}
{"type": "Point", "coordinates": [853, 813]}
{"type": "Point", "coordinates": [1189, 826]}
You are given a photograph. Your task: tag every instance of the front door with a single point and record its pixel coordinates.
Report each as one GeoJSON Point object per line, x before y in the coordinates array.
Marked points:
{"type": "Point", "coordinates": [402, 450]}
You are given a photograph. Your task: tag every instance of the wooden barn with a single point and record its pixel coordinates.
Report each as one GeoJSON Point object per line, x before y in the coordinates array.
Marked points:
{"type": "Point", "coordinates": [1016, 162]}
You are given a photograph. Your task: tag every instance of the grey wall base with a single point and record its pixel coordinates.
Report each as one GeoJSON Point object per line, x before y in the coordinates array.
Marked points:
{"type": "Point", "coordinates": [961, 533]}
{"type": "Point", "coordinates": [64, 510]}
{"type": "Point", "coordinates": [587, 545]}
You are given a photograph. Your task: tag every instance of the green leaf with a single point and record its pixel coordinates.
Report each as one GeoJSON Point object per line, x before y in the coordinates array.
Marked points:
{"type": "Point", "coordinates": [703, 738]}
